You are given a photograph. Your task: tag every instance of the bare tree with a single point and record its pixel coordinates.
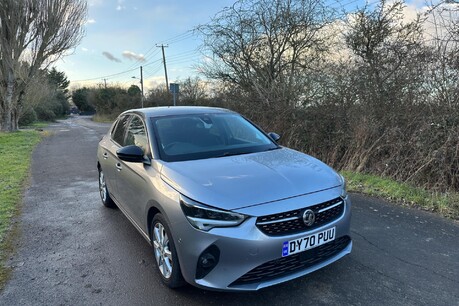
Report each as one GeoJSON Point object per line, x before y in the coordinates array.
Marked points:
{"type": "Point", "coordinates": [33, 34]}
{"type": "Point", "coordinates": [443, 20]}
{"type": "Point", "coordinates": [192, 90]}
{"type": "Point", "coordinates": [388, 49]}
{"type": "Point", "coordinates": [266, 47]}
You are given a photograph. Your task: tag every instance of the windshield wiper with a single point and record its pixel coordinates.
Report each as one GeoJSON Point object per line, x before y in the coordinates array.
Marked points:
{"type": "Point", "coordinates": [224, 154]}
{"type": "Point", "coordinates": [231, 154]}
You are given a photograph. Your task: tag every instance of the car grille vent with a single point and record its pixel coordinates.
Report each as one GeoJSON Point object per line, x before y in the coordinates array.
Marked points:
{"type": "Point", "coordinates": [291, 222]}
{"type": "Point", "coordinates": [291, 264]}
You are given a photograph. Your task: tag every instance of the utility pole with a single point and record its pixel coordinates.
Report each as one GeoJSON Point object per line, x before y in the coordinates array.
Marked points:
{"type": "Point", "coordinates": [105, 83]}
{"type": "Point", "coordinates": [141, 83]}
{"type": "Point", "coordinates": [164, 61]}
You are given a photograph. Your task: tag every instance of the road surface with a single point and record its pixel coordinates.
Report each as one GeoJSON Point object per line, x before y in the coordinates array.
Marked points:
{"type": "Point", "coordinates": [73, 251]}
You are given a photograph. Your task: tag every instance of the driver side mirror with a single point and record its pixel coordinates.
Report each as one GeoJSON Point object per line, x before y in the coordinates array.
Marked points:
{"type": "Point", "coordinates": [133, 154]}
{"type": "Point", "coordinates": [274, 136]}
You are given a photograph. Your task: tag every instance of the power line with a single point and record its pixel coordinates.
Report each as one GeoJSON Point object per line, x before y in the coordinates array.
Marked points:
{"type": "Point", "coordinates": [179, 37]}
{"type": "Point", "coordinates": [106, 76]}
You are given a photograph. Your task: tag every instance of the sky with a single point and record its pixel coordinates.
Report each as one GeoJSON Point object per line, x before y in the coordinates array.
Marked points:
{"type": "Point", "coordinates": [122, 35]}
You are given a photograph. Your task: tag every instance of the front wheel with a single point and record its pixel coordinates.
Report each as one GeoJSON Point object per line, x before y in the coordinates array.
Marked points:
{"type": "Point", "coordinates": [103, 191]}
{"type": "Point", "coordinates": [165, 253]}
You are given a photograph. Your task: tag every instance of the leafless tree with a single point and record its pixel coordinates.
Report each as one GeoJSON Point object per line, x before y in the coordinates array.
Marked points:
{"type": "Point", "coordinates": [386, 47]}
{"type": "Point", "coordinates": [443, 41]}
{"type": "Point", "coordinates": [33, 34]}
{"type": "Point", "coordinates": [266, 47]}
{"type": "Point", "coordinates": [192, 90]}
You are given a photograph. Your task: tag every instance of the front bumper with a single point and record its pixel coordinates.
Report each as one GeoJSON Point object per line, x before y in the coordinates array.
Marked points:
{"type": "Point", "coordinates": [249, 259]}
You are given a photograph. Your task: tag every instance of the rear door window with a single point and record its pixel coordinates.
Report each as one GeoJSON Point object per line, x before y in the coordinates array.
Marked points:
{"type": "Point", "coordinates": [136, 134]}
{"type": "Point", "coordinates": [120, 130]}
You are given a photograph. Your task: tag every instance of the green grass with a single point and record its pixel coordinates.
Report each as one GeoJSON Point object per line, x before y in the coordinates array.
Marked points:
{"type": "Point", "coordinates": [36, 125]}
{"type": "Point", "coordinates": [104, 118]}
{"type": "Point", "coordinates": [15, 155]}
{"type": "Point", "coordinates": [445, 204]}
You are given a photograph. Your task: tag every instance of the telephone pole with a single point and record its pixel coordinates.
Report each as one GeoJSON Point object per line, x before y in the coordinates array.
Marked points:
{"type": "Point", "coordinates": [105, 83]}
{"type": "Point", "coordinates": [141, 83]}
{"type": "Point", "coordinates": [164, 61]}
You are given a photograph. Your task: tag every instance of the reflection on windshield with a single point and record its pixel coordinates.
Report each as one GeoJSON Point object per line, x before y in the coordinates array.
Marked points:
{"type": "Point", "coordinates": [208, 135]}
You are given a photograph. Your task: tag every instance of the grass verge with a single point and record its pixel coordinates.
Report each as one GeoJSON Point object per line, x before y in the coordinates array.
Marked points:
{"type": "Point", "coordinates": [36, 125]}
{"type": "Point", "coordinates": [15, 156]}
{"type": "Point", "coordinates": [445, 204]}
{"type": "Point", "coordinates": [103, 118]}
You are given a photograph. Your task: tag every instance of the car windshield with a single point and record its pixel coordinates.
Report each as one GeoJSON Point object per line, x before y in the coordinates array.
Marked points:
{"type": "Point", "coordinates": [199, 136]}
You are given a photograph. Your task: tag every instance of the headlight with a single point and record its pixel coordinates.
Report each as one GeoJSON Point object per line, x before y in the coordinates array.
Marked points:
{"type": "Point", "coordinates": [344, 187]}
{"type": "Point", "coordinates": [206, 218]}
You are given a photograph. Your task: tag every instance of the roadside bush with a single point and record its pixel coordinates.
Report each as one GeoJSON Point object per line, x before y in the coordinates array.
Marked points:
{"type": "Point", "coordinates": [28, 117]}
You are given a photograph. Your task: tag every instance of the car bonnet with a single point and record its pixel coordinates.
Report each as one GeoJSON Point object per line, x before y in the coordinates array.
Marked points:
{"type": "Point", "coordinates": [235, 182]}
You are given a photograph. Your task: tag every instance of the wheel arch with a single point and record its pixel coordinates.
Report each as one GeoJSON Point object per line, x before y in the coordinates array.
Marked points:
{"type": "Point", "coordinates": [152, 212]}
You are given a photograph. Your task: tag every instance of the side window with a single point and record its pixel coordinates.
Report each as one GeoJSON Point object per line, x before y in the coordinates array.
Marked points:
{"type": "Point", "coordinates": [136, 134]}
{"type": "Point", "coordinates": [119, 131]}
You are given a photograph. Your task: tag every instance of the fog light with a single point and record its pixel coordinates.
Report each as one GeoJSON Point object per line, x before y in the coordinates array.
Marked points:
{"type": "Point", "coordinates": [207, 261]}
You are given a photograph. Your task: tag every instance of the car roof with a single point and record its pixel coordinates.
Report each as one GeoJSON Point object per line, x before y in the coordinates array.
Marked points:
{"type": "Point", "coordinates": [161, 111]}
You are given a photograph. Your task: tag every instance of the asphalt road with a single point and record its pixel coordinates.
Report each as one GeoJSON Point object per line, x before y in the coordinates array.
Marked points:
{"type": "Point", "coordinates": [73, 251]}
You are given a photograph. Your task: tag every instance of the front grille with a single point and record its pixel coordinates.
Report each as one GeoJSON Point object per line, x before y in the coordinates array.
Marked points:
{"type": "Point", "coordinates": [291, 222]}
{"type": "Point", "coordinates": [290, 264]}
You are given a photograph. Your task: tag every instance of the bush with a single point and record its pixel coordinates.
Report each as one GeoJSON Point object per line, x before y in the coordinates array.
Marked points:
{"type": "Point", "coordinates": [28, 117]}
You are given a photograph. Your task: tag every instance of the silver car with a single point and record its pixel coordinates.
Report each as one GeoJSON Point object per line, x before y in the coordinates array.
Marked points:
{"type": "Point", "coordinates": [222, 204]}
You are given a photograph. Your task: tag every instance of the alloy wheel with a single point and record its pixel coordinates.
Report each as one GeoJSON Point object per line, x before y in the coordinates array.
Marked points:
{"type": "Point", "coordinates": [162, 252]}
{"type": "Point", "coordinates": [102, 187]}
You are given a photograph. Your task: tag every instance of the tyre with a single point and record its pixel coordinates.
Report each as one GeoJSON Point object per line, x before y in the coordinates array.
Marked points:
{"type": "Point", "coordinates": [165, 253]}
{"type": "Point", "coordinates": [103, 191]}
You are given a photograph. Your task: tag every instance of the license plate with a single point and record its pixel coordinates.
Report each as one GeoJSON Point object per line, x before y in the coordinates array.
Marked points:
{"type": "Point", "coordinates": [309, 242]}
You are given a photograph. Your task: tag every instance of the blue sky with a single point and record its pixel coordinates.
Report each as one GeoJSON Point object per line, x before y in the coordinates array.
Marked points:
{"type": "Point", "coordinates": [121, 35]}
{"type": "Point", "coordinates": [119, 32]}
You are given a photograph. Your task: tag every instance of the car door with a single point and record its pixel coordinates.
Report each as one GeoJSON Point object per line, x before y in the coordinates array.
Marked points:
{"type": "Point", "coordinates": [132, 180]}
{"type": "Point", "coordinates": [109, 161]}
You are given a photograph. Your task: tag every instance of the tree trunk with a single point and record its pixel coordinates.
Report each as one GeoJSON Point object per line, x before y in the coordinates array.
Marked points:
{"type": "Point", "coordinates": [6, 120]}
{"type": "Point", "coordinates": [7, 116]}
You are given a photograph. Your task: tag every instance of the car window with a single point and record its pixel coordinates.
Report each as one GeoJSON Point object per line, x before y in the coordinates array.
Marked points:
{"type": "Point", "coordinates": [120, 129]}
{"type": "Point", "coordinates": [198, 136]}
{"type": "Point", "coordinates": [239, 131]}
{"type": "Point", "coordinates": [136, 134]}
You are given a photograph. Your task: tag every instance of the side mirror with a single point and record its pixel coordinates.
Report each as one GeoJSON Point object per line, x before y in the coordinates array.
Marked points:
{"type": "Point", "coordinates": [133, 154]}
{"type": "Point", "coordinates": [274, 136]}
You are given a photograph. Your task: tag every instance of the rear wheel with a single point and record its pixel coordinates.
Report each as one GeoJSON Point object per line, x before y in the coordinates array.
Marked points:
{"type": "Point", "coordinates": [103, 190]}
{"type": "Point", "coordinates": [165, 253]}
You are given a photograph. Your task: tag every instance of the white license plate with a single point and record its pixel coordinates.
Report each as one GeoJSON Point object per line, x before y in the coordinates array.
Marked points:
{"type": "Point", "coordinates": [309, 242]}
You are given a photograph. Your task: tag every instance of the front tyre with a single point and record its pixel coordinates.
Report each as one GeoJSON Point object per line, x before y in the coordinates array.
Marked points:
{"type": "Point", "coordinates": [165, 253]}
{"type": "Point", "coordinates": [103, 191]}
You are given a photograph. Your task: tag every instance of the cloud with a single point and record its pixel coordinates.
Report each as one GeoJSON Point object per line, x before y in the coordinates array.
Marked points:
{"type": "Point", "coordinates": [120, 5]}
{"type": "Point", "coordinates": [111, 57]}
{"type": "Point", "coordinates": [133, 57]}
{"type": "Point", "coordinates": [90, 21]}
{"type": "Point", "coordinates": [154, 82]}
{"type": "Point", "coordinates": [84, 49]}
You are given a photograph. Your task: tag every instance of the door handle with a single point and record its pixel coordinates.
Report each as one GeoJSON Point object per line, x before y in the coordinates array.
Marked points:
{"type": "Point", "coordinates": [118, 166]}
{"type": "Point", "coordinates": [105, 155]}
